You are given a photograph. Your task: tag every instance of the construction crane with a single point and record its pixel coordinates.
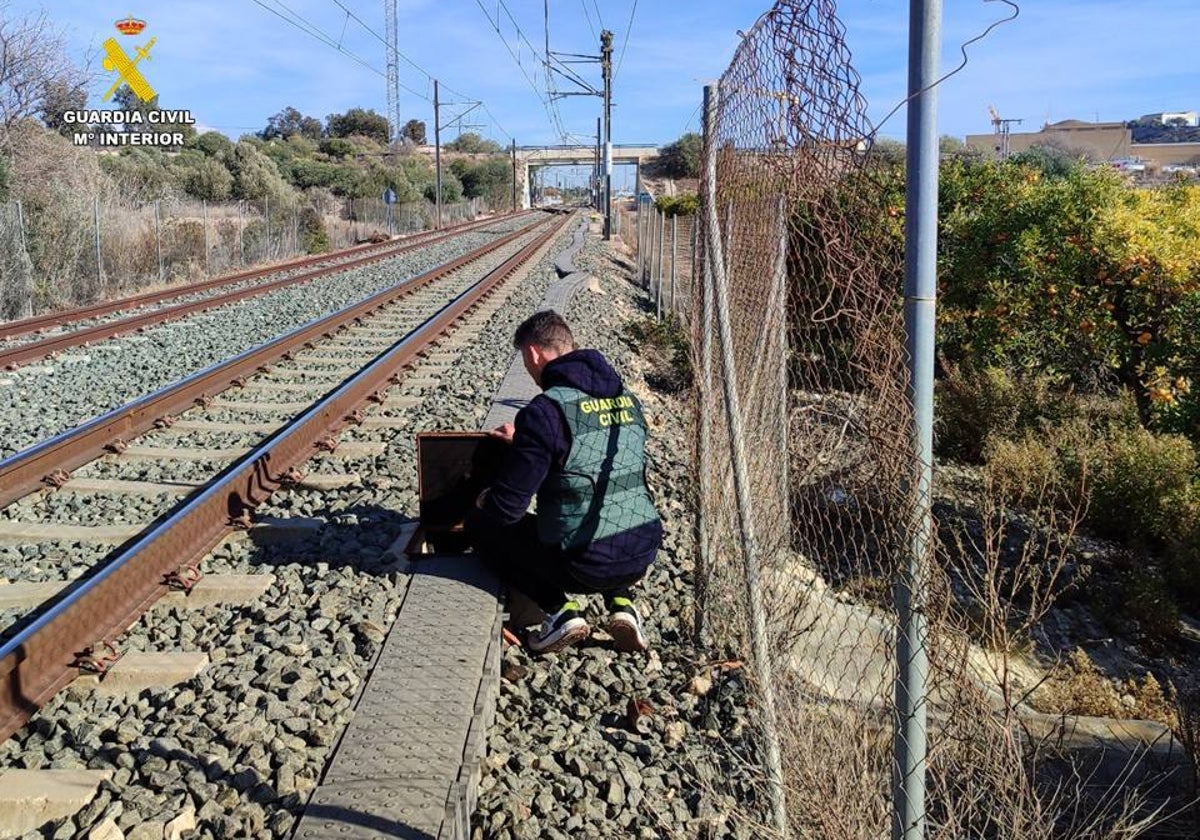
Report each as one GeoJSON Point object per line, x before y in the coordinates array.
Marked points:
{"type": "Point", "coordinates": [1002, 130]}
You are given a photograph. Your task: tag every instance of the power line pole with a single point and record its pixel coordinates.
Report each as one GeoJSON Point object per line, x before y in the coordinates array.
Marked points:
{"type": "Point", "coordinates": [606, 51]}
{"type": "Point", "coordinates": [392, 29]}
{"type": "Point", "coordinates": [596, 191]}
{"type": "Point", "coordinates": [437, 152]}
{"type": "Point", "coordinates": [514, 165]}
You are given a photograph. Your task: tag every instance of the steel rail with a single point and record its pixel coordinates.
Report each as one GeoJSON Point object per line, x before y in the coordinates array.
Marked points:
{"type": "Point", "coordinates": [63, 317]}
{"type": "Point", "coordinates": [54, 344]}
{"type": "Point", "coordinates": [37, 662]}
{"type": "Point", "coordinates": [30, 469]}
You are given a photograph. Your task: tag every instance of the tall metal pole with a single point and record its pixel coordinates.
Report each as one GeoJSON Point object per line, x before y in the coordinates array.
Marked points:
{"type": "Point", "coordinates": [437, 152]}
{"type": "Point", "coordinates": [597, 191]}
{"type": "Point", "coordinates": [920, 311]}
{"type": "Point", "coordinates": [391, 29]}
{"type": "Point", "coordinates": [514, 168]}
{"type": "Point", "coordinates": [606, 51]}
{"type": "Point", "coordinates": [718, 282]}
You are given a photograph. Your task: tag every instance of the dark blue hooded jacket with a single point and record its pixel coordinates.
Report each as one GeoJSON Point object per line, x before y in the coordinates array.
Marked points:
{"type": "Point", "coordinates": [541, 444]}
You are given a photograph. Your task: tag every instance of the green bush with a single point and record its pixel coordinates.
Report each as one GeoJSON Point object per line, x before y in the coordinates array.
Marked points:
{"type": "Point", "coordinates": [974, 406]}
{"type": "Point", "coordinates": [687, 204]}
{"type": "Point", "coordinates": [1143, 488]}
{"type": "Point", "coordinates": [313, 235]}
{"type": "Point", "coordinates": [1183, 551]}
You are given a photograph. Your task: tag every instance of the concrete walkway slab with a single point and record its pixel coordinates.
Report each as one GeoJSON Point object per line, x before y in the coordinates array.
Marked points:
{"type": "Point", "coordinates": [31, 798]}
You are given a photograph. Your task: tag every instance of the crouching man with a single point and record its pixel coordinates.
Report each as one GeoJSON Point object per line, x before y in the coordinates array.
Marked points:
{"type": "Point", "coordinates": [580, 447]}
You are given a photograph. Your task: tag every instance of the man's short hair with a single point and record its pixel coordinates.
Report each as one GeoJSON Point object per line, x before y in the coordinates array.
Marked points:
{"type": "Point", "coordinates": [546, 329]}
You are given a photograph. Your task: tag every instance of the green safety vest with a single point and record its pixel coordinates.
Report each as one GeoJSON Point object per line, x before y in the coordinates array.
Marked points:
{"type": "Point", "coordinates": [601, 489]}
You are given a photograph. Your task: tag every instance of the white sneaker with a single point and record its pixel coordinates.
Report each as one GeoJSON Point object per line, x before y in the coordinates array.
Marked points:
{"type": "Point", "coordinates": [563, 629]}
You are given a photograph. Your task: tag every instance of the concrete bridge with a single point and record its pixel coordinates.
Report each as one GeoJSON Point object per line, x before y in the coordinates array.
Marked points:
{"type": "Point", "coordinates": [537, 157]}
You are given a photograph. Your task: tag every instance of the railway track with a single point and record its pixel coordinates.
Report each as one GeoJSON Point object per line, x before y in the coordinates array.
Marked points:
{"type": "Point", "coordinates": [323, 375]}
{"type": "Point", "coordinates": [23, 341]}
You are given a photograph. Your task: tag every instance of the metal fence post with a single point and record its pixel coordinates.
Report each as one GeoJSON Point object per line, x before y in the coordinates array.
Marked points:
{"type": "Point", "coordinates": [674, 257]}
{"type": "Point", "coordinates": [204, 221]}
{"type": "Point", "coordinates": [780, 297]}
{"type": "Point", "coordinates": [662, 230]}
{"type": "Point", "coordinates": [296, 229]}
{"type": "Point", "coordinates": [267, 216]}
{"type": "Point", "coordinates": [158, 240]}
{"type": "Point", "coordinates": [652, 251]}
{"type": "Point", "coordinates": [26, 304]}
{"type": "Point", "coordinates": [21, 226]}
{"type": "Point", "coordinates": [241, 236]}
{"type": "Point", "coordinates": [920, 310]}
{"type": "Point", "coordinates": [692, 290]}
{"type": "Point", "coordinates": [99, 258]}
{"type": "Point", "coordinates": [715, 276]}
{"type": "Point", "coordinates": [638, 244]}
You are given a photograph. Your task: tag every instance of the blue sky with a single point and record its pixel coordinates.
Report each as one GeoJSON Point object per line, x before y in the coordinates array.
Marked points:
{"type": "Point", "coordinates": [233, 63]}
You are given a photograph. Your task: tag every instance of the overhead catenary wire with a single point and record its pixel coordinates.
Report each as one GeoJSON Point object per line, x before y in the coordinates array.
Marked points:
{"type": "Point", "coordinates": [588, 15]}
{"type": "Point", "coordinates": [551, 110]}
{"type": "Point", "coordinates": [625, 43]}
{"type": "Point", "coordinates": [311, 30]}
{"type": "Point", "coordinates": [290, 16]}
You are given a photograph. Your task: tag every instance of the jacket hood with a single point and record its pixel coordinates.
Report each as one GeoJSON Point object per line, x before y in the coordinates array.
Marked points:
{"type": "Point", "coordinates": [586, 370]}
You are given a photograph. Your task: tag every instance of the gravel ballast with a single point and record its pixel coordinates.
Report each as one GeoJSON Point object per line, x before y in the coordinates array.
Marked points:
{"type": "Point", "coordinates": [50, 397]}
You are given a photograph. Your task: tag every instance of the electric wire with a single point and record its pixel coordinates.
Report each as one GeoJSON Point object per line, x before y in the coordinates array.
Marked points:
{"type": "Point", "coordinates": [551, 110]}
{"type": "Point", "coordinates": [588, 15]}
{"type": "Point", "coordinates": [625, 43]}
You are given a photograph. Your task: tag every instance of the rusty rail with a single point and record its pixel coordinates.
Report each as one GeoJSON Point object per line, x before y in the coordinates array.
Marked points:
{"type": "Point", "coordinates": [37, 662]}
{"type": "Point", "coordinates": [26, 471]}
{"type": "Point", "coordinates": [62, 317]}
{"type": "Point", "coordinates": [55, 344]}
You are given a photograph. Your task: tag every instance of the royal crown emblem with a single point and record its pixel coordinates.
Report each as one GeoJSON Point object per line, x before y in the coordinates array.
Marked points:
{"type": "Point", "coordinates": [130, 26]}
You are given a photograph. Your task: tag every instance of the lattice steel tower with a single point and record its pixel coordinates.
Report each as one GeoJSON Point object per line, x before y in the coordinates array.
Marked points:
{"type": "Point", "coordinates": [392, 29]}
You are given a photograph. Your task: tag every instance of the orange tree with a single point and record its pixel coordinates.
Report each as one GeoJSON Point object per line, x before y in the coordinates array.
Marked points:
{"type": "Point", "coordinates": [1076, 274]}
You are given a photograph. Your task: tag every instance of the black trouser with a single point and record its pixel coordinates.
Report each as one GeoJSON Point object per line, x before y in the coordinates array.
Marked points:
{"type": "Point", "coordinates": [541, 571]}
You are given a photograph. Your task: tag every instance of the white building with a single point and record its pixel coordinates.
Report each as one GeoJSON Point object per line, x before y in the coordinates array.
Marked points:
{"type": "Point", "coordinates": [1188, 118]}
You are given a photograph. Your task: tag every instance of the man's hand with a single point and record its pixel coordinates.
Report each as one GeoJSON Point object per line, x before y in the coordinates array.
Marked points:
{"type": "Point", "coordinates": [505, 432]}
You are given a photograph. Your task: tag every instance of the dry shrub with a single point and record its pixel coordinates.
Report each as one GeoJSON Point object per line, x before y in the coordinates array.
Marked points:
{"type": "Point", "coordinates": [56, 184]}
{"type": "Point", "coordinates": [1077, 687]}
{"type": "Point", "coordinates": [974, 406]}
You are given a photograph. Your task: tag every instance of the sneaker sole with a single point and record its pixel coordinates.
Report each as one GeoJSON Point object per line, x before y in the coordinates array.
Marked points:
{"type": "Point", "coordinates": [569, 638]}
{"type": "Point", "coordinates": [625, 637]}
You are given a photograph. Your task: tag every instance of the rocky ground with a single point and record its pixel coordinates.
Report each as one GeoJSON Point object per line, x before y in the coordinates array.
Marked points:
{"type": "Point", "coordinates": [566, 759]}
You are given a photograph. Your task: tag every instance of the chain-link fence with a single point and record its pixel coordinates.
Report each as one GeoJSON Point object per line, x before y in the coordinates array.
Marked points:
{"type": "Point", "coordinates": [664, 246]}
{"type": "Point", "coordinates": [809, 523]}
{"type": "Point", "coordinates": [65, 250]}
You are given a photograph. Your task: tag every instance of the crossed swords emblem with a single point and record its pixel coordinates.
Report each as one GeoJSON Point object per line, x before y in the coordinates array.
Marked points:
{"type": "Point", "coordinates": [117, 59]}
